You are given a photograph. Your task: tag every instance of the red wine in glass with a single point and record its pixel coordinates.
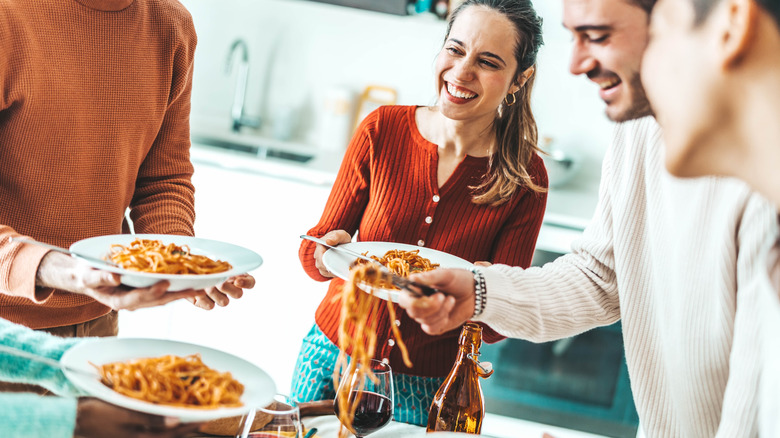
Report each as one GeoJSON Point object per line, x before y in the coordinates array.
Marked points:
{"type": "Point", "coordinates": [373, 412]}
{"type": "Point", "coordinates": [374, 396]}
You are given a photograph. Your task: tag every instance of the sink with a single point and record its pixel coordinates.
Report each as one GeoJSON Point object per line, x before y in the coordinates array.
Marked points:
{"type": "Point", "coordinates": [255, 147]}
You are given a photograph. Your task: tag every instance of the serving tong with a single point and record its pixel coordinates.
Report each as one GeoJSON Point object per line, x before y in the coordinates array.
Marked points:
{"type": "Point", "coordinates": [412, 287]}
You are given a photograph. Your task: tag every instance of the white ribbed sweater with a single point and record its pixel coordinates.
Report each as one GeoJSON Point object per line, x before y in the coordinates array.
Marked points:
{"type": "Point", "coordinates": [769, 408]}
{"type": "Point", "coordinates": [667, 257]}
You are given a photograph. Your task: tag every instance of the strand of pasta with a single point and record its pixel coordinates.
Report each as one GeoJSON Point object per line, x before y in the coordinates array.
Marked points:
{"type": "Point", "coordinates": [357, 334]}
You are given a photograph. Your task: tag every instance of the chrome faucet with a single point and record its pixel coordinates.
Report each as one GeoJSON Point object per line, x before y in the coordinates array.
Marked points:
{"type": "Point", "coordinates": [237, 111]}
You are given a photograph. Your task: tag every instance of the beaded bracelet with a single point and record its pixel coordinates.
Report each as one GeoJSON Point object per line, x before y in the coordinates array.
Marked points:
{"type": "Point", "coordinates": [480, 293]}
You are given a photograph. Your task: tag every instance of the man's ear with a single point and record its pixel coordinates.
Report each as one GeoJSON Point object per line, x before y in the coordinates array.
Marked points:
{"type": "Point", "coordinates": [738, 30]}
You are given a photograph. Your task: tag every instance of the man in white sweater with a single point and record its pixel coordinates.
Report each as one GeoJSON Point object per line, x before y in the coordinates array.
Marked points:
{"type": "Point", "coordinates": [720, 118]}
{"type": "Point", "coordinates": [673, 259]}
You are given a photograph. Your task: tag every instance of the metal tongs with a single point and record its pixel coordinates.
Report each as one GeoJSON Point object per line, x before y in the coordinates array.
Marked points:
{"type": "Point", "coordinates": [412, 287]}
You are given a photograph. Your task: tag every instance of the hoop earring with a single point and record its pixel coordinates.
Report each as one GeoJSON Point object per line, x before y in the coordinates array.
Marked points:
{"type": "Point", "coordinates": [506, 99]}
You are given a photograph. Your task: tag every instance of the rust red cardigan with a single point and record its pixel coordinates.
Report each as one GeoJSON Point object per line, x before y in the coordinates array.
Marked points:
{"type": "Point", "coordinates": [387, 189]}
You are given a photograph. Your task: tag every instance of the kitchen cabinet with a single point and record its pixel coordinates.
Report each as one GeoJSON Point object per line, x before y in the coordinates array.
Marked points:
{"type": "Point", "coordinates": [266, 214]}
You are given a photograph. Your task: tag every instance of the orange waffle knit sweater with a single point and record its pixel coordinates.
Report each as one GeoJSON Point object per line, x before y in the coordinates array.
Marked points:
{"type": "Point", "coordinates": [387, 188]}
{"type": "Point", "coordinates": [94, 117]}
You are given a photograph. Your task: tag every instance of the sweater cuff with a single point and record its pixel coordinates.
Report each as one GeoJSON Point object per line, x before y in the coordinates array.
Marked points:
{"type": "Point", "coordinates": [506, 302]}
{"type": "Point", "coordinates": [32, 415]}
{"type": "Point", "coordinates": [24, 271]}
{"type": "Point", "coordinates": [21, 370]}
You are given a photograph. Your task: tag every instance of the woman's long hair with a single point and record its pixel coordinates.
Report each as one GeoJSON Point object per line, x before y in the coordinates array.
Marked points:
{"type": "Point", "coordinates": [514, 125]}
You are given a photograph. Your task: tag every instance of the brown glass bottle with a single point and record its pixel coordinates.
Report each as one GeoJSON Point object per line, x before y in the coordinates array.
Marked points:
{"type": "Point", "coordinates": [459, 405]}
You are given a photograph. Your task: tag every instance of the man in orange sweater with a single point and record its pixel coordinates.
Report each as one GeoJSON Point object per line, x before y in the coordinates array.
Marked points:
{"type": "Point", "coordinates": [94, 118]}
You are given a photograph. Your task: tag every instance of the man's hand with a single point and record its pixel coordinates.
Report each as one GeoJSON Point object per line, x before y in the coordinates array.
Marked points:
{"type": "Point", "coordinates": [221, 295]}
{"type": "Point", "coordinates": [333, 238]}
{"type": "Point", "coordinates": [441, 313]}
{"type": "Point", "coordinates": [98, 419]}
{"type": "Point", "coordinates": [62, 272]}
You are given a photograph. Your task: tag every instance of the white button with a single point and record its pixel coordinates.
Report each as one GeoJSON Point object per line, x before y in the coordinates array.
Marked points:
{"type": "Point", "coordinates": [436, 198]}
{"type": "Point", "coordinates": [386, 361]}
{"type": "Point", "coordinates": [420, 242]}
{"type": "Point", "coordinates": [428, 220]}
{"type": "Point", "coordinates": [390, 342]}
{"type": "Point", "coordinates": [398, 323]}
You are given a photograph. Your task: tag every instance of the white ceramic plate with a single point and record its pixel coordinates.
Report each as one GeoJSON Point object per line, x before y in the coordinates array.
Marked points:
{"type": "Point", "coordinates": [338, 263]}
{"type": "Point", "coordinates": [242, 259]}
{"type": "Point", "coordinates": [259, 388]}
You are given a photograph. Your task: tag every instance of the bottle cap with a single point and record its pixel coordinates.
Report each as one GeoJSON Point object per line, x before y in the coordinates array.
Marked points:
{"type": "Point", "coordinates": [484, 369]}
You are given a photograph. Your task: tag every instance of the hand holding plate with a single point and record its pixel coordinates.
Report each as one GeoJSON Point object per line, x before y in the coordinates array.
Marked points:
{"type": "Point", "coordinates": [62, 272]}
{"type": "Point", "coordinates": [220, 295]}
{"type": "Point", "coordinates": [332, 238]}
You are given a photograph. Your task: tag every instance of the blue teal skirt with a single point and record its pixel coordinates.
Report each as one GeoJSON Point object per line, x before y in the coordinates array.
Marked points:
{"type": "Point", "coordinates": [313, 380]}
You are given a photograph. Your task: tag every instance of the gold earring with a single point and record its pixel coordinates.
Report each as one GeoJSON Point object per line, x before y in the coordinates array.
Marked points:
{"type": "Point", "coordinates": [506, 99]}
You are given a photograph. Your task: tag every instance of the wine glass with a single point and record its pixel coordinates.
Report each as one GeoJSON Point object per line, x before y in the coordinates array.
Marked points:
{"type": "Point", "coordinates": [374, 398]}
{"type": "Point", "coordinates": [282, 418]}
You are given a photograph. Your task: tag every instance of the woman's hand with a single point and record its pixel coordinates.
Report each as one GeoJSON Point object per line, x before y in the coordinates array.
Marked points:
{"type": "Point", "coordinates": [333, 238]}
{"type": "Point", "coordinates": [220, 295]}
{"type": "Point", "coordinates": [60, 271]}
{"type": "Point", "coordinates": [98, 419]}
{"type": "Point", "coordinates": [441, 313]}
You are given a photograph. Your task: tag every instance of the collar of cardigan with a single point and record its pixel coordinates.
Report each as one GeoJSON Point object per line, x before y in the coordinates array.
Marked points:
{"type": "Point", "coordinates": [106, 5]}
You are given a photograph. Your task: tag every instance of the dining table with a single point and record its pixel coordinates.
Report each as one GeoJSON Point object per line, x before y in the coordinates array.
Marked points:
{"type": "Point", "coordinates": [328, 427]}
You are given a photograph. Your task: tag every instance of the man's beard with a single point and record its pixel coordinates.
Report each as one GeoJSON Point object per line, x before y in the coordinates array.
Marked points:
{"type": "Point", "coordinates": [640, 106]}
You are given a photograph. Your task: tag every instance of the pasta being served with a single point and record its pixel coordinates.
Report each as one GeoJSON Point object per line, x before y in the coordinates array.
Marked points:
{"type": "Point", "coordinates": [147, 255]}
{"type": "Point", "coordinates": [401, 263]}
{"type": "Point", "coordinates": [173, 381]}
{"type": "Point", "coordinates": [357, 332]}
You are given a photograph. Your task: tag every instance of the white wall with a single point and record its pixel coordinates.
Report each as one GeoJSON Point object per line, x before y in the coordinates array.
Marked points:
{"type": "Point", "coordinates": [299, 49]}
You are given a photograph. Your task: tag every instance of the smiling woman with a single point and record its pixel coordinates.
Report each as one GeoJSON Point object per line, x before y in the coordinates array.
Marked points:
{"type": "Point", "coordinates": [462, 177]}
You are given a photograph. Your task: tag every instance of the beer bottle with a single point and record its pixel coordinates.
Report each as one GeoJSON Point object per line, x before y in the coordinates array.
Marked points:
{"type": "Point", "coordinates": [459, 405]}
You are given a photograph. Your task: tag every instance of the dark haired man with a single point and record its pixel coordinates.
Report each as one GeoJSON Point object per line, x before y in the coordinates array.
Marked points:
{"type": "Point", "coordinates": [720, 118]}
{"type": "Point", "coordinates": [675, 260]}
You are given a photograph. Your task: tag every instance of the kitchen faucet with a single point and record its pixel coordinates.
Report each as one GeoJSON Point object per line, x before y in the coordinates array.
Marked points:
{"type": "Point", "coordinates": [237, 111]}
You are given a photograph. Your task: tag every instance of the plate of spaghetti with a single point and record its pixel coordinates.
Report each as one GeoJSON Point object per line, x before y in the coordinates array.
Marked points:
{"type": "Point", "coordinates": [400, 258]}
{"type": "Point", "coordinates": [186, 262]}
{"type": "Point", "coordinates": [168, 378]}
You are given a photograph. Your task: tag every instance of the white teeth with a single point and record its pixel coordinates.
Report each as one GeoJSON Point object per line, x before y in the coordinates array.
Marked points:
{"type": "Point", "coordinates": [463, 95]}
{"type": "Point", "coordinates": [608, 84]}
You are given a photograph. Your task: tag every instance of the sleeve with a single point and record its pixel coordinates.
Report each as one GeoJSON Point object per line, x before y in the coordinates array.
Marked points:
{"type": "Point", "coordinates": [739, 414]}
{"type": "Point", "coordinates": [18, 263]}
{"type": "Point", "coordinates": [5, 58]}
{"type": "Point", "coordinates": [164, 198]}
{"type": "Point", "coordinates": [21, 370]}
{"type": "Point", "coordinates": [516, 242]}
{"type": "Point", "coordinates": [566, 297]}
{"type": "Point", "coordinates": [30, 415]}
{"type": "Point", "coordinates": [19, 266]}
{"type": "Point", "coordinates": [349, 196]}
